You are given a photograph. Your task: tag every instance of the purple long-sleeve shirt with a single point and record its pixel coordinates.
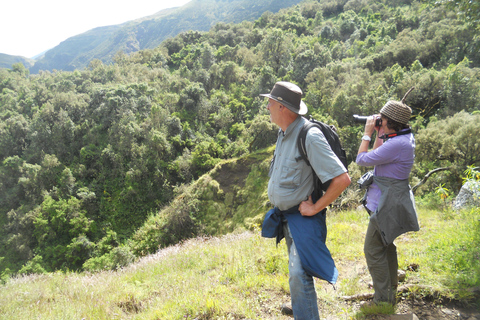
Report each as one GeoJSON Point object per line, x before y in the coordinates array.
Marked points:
{"type": "Point", "coordinates": [393, 159]}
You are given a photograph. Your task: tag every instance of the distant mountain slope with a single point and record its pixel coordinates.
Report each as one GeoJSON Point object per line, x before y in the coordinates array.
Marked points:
{"type": "Point", "coordinates": [6, 61]}
{"type": "Point", "coordinates": [147, 33]}
{"type": "Point", "coordinates": [75, 52]}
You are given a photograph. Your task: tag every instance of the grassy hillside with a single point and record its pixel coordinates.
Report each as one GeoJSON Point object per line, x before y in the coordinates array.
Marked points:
{"type": "Point", "coordinates": [231, 197]}
{"type": "Point", "coordinates": [244, 276]}
{"type": "Point", "coordinates": [97, 165]}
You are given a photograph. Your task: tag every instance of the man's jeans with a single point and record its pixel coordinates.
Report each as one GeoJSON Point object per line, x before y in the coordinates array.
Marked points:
{"type": "Point", "coordinates": [302, 288]}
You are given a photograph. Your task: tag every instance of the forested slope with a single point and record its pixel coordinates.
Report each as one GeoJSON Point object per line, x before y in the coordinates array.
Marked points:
{"type": "Point", "coordinates": [96, 163]}
{"type": "Point", "coordinates": [148, 32]}
{"type": "Point", "coordinates": [6, 61]}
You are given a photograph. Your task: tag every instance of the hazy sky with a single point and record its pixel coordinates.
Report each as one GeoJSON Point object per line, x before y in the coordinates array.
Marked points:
{"type": "Point", "coordinates": [30, 27]}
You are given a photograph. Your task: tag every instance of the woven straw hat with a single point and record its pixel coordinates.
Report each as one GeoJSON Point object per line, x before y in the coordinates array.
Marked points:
{"type": "Point", "coordinates": [289, 95]}
{"type": "Point", "coordinates": [397, 110]}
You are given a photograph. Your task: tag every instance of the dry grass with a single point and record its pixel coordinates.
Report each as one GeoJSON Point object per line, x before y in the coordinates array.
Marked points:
{"type": "Point", "coordinates": [238, 276]}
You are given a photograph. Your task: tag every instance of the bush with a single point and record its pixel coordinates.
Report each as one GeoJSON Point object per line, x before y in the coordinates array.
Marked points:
{"type": "Point", "coordinates": [34, 266]}
{"type": "Point", "coordinates": [119, 257]}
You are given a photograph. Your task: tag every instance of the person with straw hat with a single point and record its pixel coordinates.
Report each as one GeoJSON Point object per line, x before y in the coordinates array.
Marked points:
{"type": "Point", "coordinates": [389, 199]}
{"type": "Point", "coordinates": [296, 216]}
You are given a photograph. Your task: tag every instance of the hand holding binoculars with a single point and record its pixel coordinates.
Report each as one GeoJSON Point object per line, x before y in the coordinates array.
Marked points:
{"type": "Point", "coordinates": [363, 119]}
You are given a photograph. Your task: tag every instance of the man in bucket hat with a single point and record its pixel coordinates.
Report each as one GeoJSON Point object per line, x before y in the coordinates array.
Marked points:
{"type": "Point", "coordinates": [296, 216]}
{"type": "Point", "coordinates": [389, 200]}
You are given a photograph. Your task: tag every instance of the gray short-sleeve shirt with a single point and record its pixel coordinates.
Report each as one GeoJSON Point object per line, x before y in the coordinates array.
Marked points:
{"type": "Point", "coordinates": [291, 180]}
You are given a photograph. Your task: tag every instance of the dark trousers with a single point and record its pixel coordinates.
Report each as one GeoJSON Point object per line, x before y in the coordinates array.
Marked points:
{"type": "Point", "coordinates": [382, 264]}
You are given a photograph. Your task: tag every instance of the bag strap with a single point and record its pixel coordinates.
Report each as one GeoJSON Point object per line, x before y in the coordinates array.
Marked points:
{"type": "Point", "coordinates": [302, 136]}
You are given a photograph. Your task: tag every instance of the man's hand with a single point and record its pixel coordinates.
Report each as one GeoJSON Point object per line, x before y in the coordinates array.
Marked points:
{"type": "Point", "coordinates": [336, 187]}
{"type": "Point", "coordinates": [307, 207]}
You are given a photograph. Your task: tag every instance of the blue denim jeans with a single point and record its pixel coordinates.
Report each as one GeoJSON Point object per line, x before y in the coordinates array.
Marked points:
{"type": "Point", "coordinates": [302, 287]}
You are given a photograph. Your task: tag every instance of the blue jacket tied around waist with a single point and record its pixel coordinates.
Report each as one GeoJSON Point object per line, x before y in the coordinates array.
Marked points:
{"type": "Point", "coordinates": [309, 235]}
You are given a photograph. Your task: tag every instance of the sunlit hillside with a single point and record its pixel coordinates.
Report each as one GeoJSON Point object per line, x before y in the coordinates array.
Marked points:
{"type": "Point", "coordinates": [244, 276]}
{"type": "Point", "coordinates": [105, 165]}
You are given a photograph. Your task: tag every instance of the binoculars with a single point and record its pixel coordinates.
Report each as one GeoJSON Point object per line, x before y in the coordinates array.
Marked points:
{"type": "Point", "coordinates": [363, 119]}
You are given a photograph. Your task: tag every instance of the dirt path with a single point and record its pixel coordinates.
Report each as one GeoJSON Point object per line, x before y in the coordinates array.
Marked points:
{"type": "Point", "coordinates": [430, 311]}
{"type": "Point", "coordinates": [423, 310]}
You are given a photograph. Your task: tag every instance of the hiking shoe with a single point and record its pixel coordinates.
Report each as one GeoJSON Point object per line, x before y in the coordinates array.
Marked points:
{"type": "Point", "coordinates": [287, 309]}
{"type": "Point", "coordinates": [367, 304]}
{"type": "Point", "coordinates": [371, 305]}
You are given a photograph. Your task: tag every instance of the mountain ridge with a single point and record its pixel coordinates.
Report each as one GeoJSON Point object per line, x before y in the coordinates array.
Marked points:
{"type": "Point", "coordinates": [7, 61]}
{"type": "Point", "coordinates": [146, 33]}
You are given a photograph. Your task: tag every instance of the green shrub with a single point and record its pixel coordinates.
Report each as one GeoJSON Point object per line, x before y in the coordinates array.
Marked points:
{"type": "Point", "coordinates": [34, 266]}
{"type": "Point", "coordinates": [119, 257]}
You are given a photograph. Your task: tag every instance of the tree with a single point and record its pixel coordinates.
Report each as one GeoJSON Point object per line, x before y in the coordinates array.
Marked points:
{"type": "Point", "coordinates": [276, 49]}
{"type": "Point", "coordinates": [262, 133]}
{"type": "Point", "coordinates": [349, 23]}
{"type": "Point", "coordinates": [60, 231]}
{"type": "Point", "coordinates": [451, 143]}
{"type": "Point", "coordinates": [10, 173]}
{"type": "Point", "coordinates": [304, 63]}
{"type": "Point", "coordinates": [13, 136]}
{"type": "Point", "coordinates": [191, 97]}
{"type": "Point", "coordinates": [460, 93]}
{"type": "Point", "coordinates": [205, 156]}
{"type": "Point", "coordinates": [20, 69]}
{"type": "Point", "coordinates": [469, 10]}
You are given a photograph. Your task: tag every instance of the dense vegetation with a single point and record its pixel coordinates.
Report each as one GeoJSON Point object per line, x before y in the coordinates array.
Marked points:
{"type": "Point", "coordinates": [89, 157]}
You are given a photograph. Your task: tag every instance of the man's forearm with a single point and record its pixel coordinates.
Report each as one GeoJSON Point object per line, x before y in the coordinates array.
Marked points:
{"type": "Point", "coordinates": [335, 189]}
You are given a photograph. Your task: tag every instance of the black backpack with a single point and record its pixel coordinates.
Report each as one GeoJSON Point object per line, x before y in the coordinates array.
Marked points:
{"type": "Point", "coordinates": [330, 133]}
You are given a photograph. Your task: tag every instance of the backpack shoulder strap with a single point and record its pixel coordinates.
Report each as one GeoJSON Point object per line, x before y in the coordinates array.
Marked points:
{"type": "Point", "coordinates": [317, 184]}
{"type": "Point", "coordinates": [302, 136]}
